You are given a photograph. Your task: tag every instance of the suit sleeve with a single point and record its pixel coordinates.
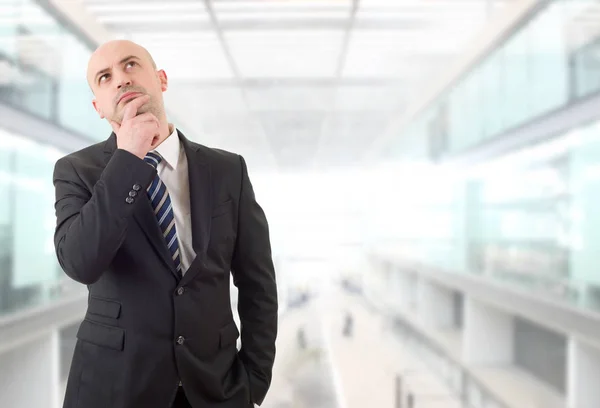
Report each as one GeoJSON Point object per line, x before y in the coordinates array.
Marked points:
{"type": "Point", "coordinates": [91, 225]}
{"type": "Point", "coordinates": [254, 275]}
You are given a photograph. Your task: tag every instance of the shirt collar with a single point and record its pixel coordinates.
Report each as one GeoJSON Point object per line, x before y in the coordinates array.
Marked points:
{"type": "Point", "coordinates": [169, 149]}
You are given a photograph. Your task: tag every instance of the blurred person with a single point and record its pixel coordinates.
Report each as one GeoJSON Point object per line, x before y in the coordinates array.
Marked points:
{"type": "Point", "coordinates": [348, 325]}
{"type": "Point", "coordinates": [301, 337]}
{"type": "Point", "coordinates": [153, 224]}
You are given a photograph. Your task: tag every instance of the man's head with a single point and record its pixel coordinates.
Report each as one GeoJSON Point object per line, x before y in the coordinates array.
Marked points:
{"type": "Point", "coordinates": [122, 67]}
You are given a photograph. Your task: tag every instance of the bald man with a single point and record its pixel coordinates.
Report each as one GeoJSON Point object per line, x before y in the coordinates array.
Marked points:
{"type": "Point", "coordinates": [155, 224]}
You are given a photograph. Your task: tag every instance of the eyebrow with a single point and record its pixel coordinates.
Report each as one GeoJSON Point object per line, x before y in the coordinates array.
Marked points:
{"type": "Point", "coordinates": [105, 70]}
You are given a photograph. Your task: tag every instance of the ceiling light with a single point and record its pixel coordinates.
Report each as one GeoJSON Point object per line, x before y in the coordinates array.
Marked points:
{"type": "Point", "coordinates": [154, 18]}
{"type": "Point", "coordinates": [147, 7]}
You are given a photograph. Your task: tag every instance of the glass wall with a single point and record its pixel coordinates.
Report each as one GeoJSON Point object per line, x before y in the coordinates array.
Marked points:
{"type": "Point", "coordinates": [530, 222]}
{"type": "Point", "coordinates": [522, 228]}
{"type": "Point", "coordinates": [552, 60]}
{"type": "Point", "coordinates": [29, 272]}
{"type": "Point", "coordinates": [42, 71]}
{"type": "Point", "coordinates": [528, 219]}
{"type": "Point", "coordinates": [536, 218]}
{"type": "Point", "coordinates": [44, 65]}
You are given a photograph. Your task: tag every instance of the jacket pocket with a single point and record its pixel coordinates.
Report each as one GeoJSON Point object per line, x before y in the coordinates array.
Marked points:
{"type": "Point", "coordinates": [102, 335]}
{"type": "Point", "coordinates": [104, 307]}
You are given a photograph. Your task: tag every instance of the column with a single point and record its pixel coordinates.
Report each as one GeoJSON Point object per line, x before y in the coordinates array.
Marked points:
{"type": "Point", "coordinates": [488, 336]}
{"type": "Point", "coordinates": [403, 284]}
{"type": "Point", "coordinates": [435, 305]}
{"type": "Point", "coordinates": [583, 375]}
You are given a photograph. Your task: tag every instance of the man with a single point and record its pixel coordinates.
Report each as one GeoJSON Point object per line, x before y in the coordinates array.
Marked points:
{"type": "Point", "coordinates": [153, 224]}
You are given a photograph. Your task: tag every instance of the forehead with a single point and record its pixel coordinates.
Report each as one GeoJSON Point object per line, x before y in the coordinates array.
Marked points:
{"type": "Point", "coordinates": [110, 54]}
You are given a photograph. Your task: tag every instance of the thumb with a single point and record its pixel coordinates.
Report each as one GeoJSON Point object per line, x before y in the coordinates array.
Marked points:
{"type": "Point", "coordinates": [115, 126]}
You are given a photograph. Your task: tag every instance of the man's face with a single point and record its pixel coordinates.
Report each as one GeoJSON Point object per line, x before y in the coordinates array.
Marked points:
{"type": "Point", "coordinates": [120, 71]}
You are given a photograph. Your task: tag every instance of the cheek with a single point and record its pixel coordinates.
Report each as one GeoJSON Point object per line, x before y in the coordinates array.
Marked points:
{"type": "Point", "coordinates": [103, 111]}
{"type": "Point", "coordinates": [106, 108]}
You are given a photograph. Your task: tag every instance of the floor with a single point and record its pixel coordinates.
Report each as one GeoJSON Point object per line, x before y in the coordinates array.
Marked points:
{"type": "Point", "coordinates": [351, 360]}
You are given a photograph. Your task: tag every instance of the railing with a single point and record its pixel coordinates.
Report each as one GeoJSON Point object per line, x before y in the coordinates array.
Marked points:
{"type": "Point", "coordinates": [460, 380]}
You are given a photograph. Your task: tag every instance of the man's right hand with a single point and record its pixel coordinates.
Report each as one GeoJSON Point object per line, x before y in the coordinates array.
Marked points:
{"type": "Point", "coordinates": [136, 133]}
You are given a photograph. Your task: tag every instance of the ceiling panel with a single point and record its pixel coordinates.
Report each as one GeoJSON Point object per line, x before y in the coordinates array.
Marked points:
{"type": "Point", "coordinates": [208, 100]}
{"type": "Point", "coordinates": [106, 8]}
{"type": "Point", "coordinates": [240, 133]}
{"type": "Point", "coordinates": [346, 135]}
{"type": "Point", "coordinates": [399, 53]}
{"type": "Point", "coordinates": [293, 136]}
{"type": "Point", "coordinates": [290, 98]}
{"type": "Point", "coordinates": [315, 86]}
{"type": "Point", "coordinates": [281, 54]}
{"type": "Point", "coordinates": [244, 16]}
{"type": "Point", "coordinates": [282, 15]}
{"type": "Point", "coordinates": [262, 6]}
{"type": "Point", "coordinates": [186, 55]}
{"type": "Point", "coordinates": [359, 98]}
{"type": "Point", "coordinates": [231, 129]}
{"type": "Point", "coordinates": [133, 16]}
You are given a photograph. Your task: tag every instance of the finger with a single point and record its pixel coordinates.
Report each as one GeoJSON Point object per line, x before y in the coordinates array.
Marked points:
{"type": "Point", "coordinates": [133, 106]}
{"type": "Point", "coordinates": [147, 130]}
{"type": "Point", "coordinates": [145, 117]}
{"type": "Point", "coordinates": [115, 126]}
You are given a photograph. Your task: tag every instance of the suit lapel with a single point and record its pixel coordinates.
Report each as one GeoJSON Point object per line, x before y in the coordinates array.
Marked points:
{"type": "Point", "coordinates": [144, 216]}
{"type": "Point", "coordinates": [200, 207]}
{"type": "Point", "coordinates": [200, 202]}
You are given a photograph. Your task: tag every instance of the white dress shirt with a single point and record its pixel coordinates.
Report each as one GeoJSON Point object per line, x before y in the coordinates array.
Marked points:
{"type": "Point", "coordinates": [173, 171]}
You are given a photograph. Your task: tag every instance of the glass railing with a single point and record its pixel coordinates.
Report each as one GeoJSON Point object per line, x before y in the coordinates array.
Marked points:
{"type": "Point", "coordinates": [458, 379]}
{"type": "Point", "coordinates": [471, 392]}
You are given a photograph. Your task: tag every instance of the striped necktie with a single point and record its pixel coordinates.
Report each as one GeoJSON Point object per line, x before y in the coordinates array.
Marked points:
{"type": "Point", "coordinates": [163, 210]}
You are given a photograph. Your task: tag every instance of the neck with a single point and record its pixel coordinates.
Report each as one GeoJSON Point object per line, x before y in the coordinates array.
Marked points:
{"type": "Point", "coordinates": [165, 131]}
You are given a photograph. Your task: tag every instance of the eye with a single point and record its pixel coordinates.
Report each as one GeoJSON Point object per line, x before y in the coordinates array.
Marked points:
{"type": "Point", "coordinates": [132, 63]}
{"type": "Point", "coordinates": [103, 77]}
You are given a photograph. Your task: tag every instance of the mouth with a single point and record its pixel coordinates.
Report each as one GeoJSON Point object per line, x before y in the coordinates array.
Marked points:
{"type": "Point", "coordinates": [128, 96]}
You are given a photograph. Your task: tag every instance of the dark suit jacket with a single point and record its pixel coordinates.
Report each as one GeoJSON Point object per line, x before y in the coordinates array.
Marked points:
{"type": "Point", "coordinates": [145, 330]}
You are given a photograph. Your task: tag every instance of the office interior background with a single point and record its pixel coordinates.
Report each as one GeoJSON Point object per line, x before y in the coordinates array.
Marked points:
{"type": "Point", "coordinates": [430, 170]}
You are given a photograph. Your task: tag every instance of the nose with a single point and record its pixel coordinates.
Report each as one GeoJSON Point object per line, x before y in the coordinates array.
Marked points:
{"type": "Point", "coordinates": [123, 81]}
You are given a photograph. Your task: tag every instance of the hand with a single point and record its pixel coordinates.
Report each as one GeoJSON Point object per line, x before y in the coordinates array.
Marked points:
{"type": "Point", "coordinates": [136, 134]}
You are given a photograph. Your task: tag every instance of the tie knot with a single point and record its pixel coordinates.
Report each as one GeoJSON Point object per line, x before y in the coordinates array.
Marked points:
{"type": "Point", "coordinates": [153, 159]}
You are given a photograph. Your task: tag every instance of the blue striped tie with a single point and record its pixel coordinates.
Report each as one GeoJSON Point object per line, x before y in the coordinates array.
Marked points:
{"type": "Point", "coordinates": [161, 203]}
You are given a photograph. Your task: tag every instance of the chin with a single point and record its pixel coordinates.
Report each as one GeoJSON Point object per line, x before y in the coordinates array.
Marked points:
{"type": "Point", "coordinates": [149, 107]}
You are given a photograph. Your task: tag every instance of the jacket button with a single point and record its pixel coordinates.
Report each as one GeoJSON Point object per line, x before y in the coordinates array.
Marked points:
{"type": "Point", "coordinates": [132, 193]}
{"type": "Point", "coordinates": [129, 200]}
{"type": "Point", "coordinates": [137, 187]}
{"type": "Point", "coordinates": [180, 291]}
{"type": "Point", "coordinates": [180, 340]}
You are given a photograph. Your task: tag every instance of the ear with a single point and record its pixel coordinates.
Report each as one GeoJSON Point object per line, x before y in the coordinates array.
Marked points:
{"type": "Point", "coordinates": [97, 108]}
{"type": "Point", "coordinates": [164, 81]}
